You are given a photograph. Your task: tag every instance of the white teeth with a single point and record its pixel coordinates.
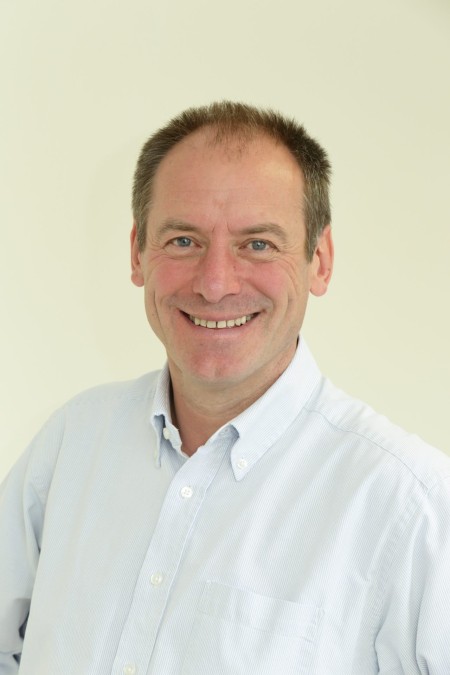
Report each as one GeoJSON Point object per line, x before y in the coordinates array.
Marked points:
{"type": "Point", "coordinates": [240, 321]}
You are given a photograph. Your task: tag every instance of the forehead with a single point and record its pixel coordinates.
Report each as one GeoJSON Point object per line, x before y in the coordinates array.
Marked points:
{"type": "Point", "coordinates": [200, 160]}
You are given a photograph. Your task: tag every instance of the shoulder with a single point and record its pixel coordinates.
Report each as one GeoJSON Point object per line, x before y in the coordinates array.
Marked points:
{"type": "Point", "coordinates": [76, 427]}
{"type": "Point", "coordinates": [361, 427]}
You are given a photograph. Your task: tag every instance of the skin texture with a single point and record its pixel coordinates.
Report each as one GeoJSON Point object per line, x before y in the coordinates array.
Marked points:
{"type": "Point", "coordinates": [226, 239]}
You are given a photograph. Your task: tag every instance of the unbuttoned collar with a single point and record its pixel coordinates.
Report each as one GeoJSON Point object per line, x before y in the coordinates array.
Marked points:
{"type": "Point", "coordinates": [259, 426]}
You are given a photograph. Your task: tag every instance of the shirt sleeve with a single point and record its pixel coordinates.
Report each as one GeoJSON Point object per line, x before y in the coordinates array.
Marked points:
{"type": "Point", "coordinates": [23, 496]}
{"type": "Point", "coordinates": [414, 637]}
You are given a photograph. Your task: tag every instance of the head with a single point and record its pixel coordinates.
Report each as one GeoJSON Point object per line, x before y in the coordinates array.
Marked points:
{"type": "Point", "coordinates": [228, 121]}
{"type": "Point", "coordinates": [223, 257]}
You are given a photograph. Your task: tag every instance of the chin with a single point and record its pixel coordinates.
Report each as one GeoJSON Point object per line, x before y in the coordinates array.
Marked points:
{"type": "Point", "coordinates": [216, 372]}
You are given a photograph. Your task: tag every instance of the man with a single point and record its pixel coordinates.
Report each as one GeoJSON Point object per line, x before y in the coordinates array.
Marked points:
{"type": "Point", "coordinates": [234, 513]}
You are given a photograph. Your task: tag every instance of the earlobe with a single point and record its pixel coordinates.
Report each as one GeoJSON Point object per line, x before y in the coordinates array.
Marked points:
{"type": "Point", "coordinates": [322, 263]}
{"type": "Point", "coordinates": [136, 270]}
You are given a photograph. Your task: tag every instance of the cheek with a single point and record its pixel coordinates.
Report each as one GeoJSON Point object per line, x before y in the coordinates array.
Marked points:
{"type": "Point", "coordinates": [166, 278]}
{"type": "Point", "coordinates": [283, 284]}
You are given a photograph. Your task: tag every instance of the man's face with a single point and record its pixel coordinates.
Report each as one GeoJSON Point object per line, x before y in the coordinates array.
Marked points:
{"type": "Point", "coordinates": [224, 268]}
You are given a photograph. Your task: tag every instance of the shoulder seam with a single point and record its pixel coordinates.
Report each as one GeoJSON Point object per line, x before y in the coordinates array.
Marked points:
{"type": "Point", "coordinates": [384, 448]}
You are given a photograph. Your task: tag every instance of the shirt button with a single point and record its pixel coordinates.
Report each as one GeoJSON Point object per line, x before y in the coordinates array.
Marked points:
{"type": "Point", "coordinates": [156, 579]}
{"type": "Point", "coordinates": [186, 492]}
{"type": "Point", "coordinates": [129, 669]}
{"type": "Point", "coordinates": [166, 433]}
{"type": "Point", "coordinates": [242, 463]}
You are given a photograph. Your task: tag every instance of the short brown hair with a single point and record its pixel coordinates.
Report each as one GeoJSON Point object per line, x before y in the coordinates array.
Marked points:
{"type": "Point", "coordinates": [229, 120]}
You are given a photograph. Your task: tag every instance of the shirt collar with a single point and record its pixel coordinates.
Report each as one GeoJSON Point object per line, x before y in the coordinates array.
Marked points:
{"type": "Point", "coordinates": [161, 418]}
{"type": "Point", "coordinates": [264, 422]}
{"type": "Point", "coordinates": [259, 426]}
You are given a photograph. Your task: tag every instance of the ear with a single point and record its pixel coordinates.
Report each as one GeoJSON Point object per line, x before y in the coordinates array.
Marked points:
{"type": "Point", "coordinates": [322, 263]}
{"type": "Point", "coordinates": [137, 276]}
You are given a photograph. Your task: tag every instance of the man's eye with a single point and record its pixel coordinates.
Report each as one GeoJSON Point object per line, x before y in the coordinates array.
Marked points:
{"type": "Point", "coordinates": [259, 245]}
{"type": "Point", "coordinates": [182, 242]}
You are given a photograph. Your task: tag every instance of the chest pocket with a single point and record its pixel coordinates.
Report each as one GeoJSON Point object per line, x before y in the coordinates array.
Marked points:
{"type": "Point", "coordinates": [237, 632]}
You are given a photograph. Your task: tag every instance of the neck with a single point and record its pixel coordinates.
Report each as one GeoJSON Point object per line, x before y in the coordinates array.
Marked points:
{"type": "Point", "coordinates": [199, 409]}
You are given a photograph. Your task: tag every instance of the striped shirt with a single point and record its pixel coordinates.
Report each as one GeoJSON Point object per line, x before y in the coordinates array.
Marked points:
{"type": "Point", "coordinates": [308, 536]}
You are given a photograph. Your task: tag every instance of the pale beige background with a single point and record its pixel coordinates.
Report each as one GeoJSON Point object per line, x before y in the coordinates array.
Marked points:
{"type": "Point", "coordinates": [82, 86]}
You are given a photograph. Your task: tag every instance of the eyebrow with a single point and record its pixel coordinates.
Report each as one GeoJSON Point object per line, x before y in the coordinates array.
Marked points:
{"type": "Point", "coordinates": [175, 225]}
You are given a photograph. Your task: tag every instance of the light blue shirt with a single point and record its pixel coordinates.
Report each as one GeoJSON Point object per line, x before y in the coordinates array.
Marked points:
{"type": "Point", "coordinates": [308, 536]}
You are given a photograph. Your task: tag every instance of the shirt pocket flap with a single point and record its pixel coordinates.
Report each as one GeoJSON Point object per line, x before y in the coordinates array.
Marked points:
{"type": "Point", "coordinates": [258, 611]}
{"type": "Point", "coordinates": [237, 632]}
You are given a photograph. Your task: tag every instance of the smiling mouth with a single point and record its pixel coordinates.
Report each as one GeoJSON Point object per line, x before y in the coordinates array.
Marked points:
{"type": "Point", "coordinates": [229, 323]}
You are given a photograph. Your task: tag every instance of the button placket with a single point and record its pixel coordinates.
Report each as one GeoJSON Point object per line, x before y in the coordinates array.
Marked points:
{"type": "Point", "coordinates": [178, 514]}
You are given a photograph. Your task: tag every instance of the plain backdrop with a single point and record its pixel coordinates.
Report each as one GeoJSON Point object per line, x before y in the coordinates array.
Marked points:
{"type": "Point", "coordinates": [83, 84]}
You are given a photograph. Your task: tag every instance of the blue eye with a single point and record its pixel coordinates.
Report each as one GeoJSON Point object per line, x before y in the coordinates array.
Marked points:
{"type": "Point", "coordinates": [259, 245]}
{"type": "Point", "coordinates": [182, 242]}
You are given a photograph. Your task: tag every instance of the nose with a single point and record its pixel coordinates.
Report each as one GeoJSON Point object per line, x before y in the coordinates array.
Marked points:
{"type": "Point", "coordinates": [217, 274]}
